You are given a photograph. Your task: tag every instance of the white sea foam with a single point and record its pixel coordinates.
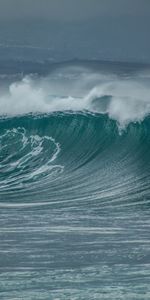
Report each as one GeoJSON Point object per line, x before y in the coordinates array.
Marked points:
{"type": "Point", "coordinates": [29, 165]}
{"type": "Point", "coordinates": [128, 101]}
{"type": "Point", "coordinates": [125, 100]}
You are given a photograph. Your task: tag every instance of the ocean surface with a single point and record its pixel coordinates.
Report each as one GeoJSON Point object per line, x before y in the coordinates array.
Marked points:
{"type": "Point", "coordinates": [74, 181]}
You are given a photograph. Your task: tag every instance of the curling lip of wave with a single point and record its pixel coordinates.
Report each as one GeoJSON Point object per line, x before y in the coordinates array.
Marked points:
{"type": "Point", "coordinates": [123, 100]}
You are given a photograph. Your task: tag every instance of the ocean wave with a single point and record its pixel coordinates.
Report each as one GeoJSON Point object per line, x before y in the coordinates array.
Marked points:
{"type": "Point", "coordinates": [74, 187]}
{"type": "Point", "coordinates": [60, 140]}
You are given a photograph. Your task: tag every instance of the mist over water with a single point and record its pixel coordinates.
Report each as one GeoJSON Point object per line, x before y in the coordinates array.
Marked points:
{"type": "Point", "coordinates": [74, 184]}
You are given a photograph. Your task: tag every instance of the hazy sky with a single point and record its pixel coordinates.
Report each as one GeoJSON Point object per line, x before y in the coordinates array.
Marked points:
{"type": "Point", "coordinates": [68, 10]}
{"type": "Point", "coordinates": [64, 29]}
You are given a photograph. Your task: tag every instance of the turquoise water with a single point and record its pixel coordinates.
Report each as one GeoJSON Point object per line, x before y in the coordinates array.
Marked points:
{"type": "Point", "coordinates": [74, 186]}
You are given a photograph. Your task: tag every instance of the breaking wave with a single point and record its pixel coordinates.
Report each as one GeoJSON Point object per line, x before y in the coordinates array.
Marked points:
{"type": "Point", "coordinates": [125, 99]}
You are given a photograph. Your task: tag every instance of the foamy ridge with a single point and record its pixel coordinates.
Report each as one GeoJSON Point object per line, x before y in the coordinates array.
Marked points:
{"type": "Point", "coordinates": [124, 100]}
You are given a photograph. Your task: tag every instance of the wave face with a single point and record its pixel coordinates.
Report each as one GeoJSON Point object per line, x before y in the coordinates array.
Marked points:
{"type": "Point", "coordinates": [75, 185]}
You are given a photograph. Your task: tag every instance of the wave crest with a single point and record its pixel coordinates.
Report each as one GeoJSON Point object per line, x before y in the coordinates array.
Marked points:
{"type": "Point", "coordinates": [123, 99]}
